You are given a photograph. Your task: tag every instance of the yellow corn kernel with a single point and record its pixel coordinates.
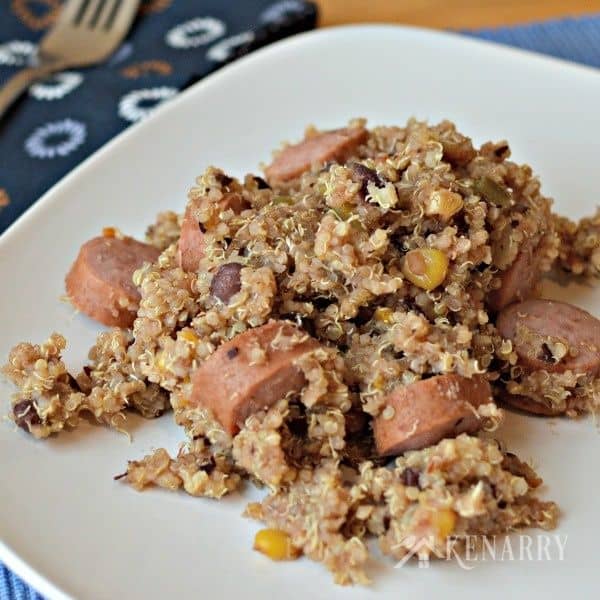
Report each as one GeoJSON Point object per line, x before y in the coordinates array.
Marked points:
{"type": "Point", "coordinates": [444, 203]}
{"type": "Point", "coordinates": [283, 200]}
{"type": "Point", "coordinates": [188, 336]}
{"type": "Point", "coordinates": [383, 314]}
{"type": "Point", "coordinates": [425, 267]}
{"type": "Point", "coordinates": [379, 382]}
{"type": "Point", "coordinates": [109, 232]}
{"type": "Point", "coordinates": [444, 522]}
{"type": "Point", "coordinates": [276, 544]}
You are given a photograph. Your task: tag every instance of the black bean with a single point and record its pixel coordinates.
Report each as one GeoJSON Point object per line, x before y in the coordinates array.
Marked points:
{"type": "Point", "coordinates": [223, 179]}
{"type": "Point", "coordinates": [322, 302]}
{"type": "Point", "coordinates": [356, 421]}
{"type": "Point", "coordinates": [226, 281]}
{"type": "Point", "coordinates": [261, 183]}
{"type": "Point", "coordinates": [232, 353]}
{"type": "Point", "coordinates": [363, 316]}
{"type": "Point", "coordinates": [73, 382]}
{"type": "Point", "coordinates": [364, 175]}
{"type": "Point", "coordinates": [25, 414]}
{"type": "Point", "coordinates": [207, 465]}
{"type": "Point", "coordinates": [308, 325]}
{"type": "Point", "coordinates": [410, 477]}
{"type": "Point", "coordinates": [545, 354]}
{"type": "Point", "coordinates": [502, 151]}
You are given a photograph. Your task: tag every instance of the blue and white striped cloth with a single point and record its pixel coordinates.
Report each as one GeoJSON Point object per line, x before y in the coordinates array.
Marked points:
{"type": "Point", "coordinates": [571, 39]}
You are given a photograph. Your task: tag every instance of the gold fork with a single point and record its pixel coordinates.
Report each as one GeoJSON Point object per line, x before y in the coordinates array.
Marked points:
{"type": "Point", "coordinates": [86, 33]}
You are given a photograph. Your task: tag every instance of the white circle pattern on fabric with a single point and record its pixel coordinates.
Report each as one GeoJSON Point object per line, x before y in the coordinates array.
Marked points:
{"type": "Point", "coordinates": [131, 105]}
{"type": "Point", "coordinates": [38, 144]}
{"type": "Point", "coordinates": [277, 12]}
{"type": "Point", "coordinates": [221, 51]}
{"type": "Point", "coordinates": [16, 53]}
{"type": "Point", "coordinates": [56, 87]}
{"type": "Point", "coordinates": [196, 32]}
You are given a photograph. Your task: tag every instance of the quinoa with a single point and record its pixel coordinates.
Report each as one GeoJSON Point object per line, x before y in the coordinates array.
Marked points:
{"type": "Point", "coordinates": [387, 257]}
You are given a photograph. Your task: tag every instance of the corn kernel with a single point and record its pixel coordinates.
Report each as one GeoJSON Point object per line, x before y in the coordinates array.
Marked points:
{"type": "Point", "coordinates": [276, 544]}
{"type": "Point", "coordinates": [109, 232]}
{"type": "Point", "coordinates": [444, 522]}
{"type": "Point", "coordinates": [379, 382]}
{"type": "Point", "coordinates": [188, 336]}
{"type": "Point", "coordinates": [283, 200]}
{"type": "Point", "coordinates": [444, 203]}
{"type": "Point", "coordinates": [383, 314]}
{"type": "Point", "coordinates": [425, 267]}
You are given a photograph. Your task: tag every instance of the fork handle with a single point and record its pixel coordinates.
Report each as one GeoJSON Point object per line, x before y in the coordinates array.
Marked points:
{"type": "Point", "coordinates": [19, 83]}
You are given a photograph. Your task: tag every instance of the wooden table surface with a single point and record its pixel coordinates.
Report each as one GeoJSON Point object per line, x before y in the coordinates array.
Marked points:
{"type": "Point", "coordinates": [454, 14]}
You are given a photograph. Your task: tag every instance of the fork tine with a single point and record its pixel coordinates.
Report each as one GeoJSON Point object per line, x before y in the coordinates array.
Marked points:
{"type": "Point", "coordinates": [96, 14]}
{"type": "Point", "coordinates": [125, 15]}
{"type": "Point", "coordinates": [72, 11]}
{"type": "Point", "coordinates": [78, 16]}
{"type": "Point", "coordinates": [113, 14]}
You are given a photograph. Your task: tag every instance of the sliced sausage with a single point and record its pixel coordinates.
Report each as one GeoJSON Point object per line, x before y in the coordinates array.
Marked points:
{"type": "Point", "coordinates": [191, 241]}
{"type": "Point", "coordinates": [238, 379]}
{"type": "Point", "coordinates": [530, 405]}
{"type": "Point", "coordinates": [336, 145]}
{"type": "Point", "coordinates": [190, 247]}
{"type": "Point", "coordinates": [519, 280]}
{"type": "Point", "coordinates": [552, 336]}
{"type": "Point", "coordinates": [100, 284]}
{"type": "Point", "coordinates": [424, 412]}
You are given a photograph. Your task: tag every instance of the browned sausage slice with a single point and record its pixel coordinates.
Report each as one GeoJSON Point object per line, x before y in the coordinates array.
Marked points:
{"type": "Point", "coordinates": [191, 241]}
{"type": "Point", "coordinates": [519, 280]}
{"type": "Point", "coordinates": [552, 336]}
{"type": "Point", "coordinates": [427, 411]}
{"type": "Point", "coordinates": [190, 247]}
{"type": "Point", "coordinates": [238, 379]}
{"type": "Point", "coordinates": [100, 284]}
{"type": "Point", "coordinates": [336, 145]}
{"type": "Point", "coordinates": [529, 405]}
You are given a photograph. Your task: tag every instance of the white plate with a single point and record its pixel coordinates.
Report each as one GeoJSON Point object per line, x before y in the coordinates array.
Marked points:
{"type": "Point", "coordinates": [65, 525]}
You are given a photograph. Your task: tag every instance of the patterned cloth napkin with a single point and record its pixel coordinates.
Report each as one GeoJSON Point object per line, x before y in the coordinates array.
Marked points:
{"type": "Point", "coordinates": [173, 44]}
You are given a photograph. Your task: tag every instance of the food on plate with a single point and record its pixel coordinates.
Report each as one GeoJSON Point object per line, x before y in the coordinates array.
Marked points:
{"type": "Point", "coordinates": [422, 413]}
{"type": "Point", "coordinates": [100, 284]}
{"type": "Point", "coordinates": [340, 332]}
{"type": "Point", "coordinates": [557, 348]}
{"type": "Point", "coordinates": [316, 148]}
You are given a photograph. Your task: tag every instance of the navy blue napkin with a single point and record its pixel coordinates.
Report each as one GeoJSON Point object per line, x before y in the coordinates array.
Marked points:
{"type": "Point", "coordinates": [172, 44]}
